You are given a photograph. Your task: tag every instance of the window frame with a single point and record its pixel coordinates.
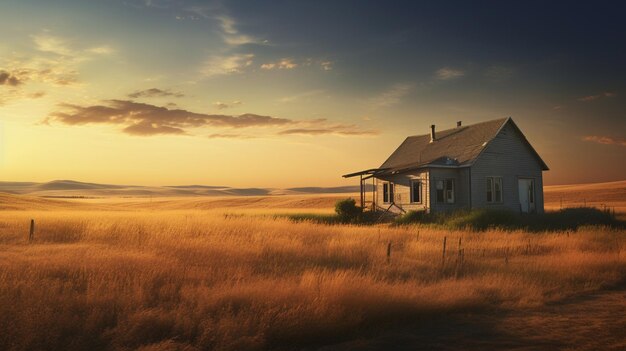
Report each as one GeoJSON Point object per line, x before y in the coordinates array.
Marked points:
{"type": "Point", "coordinates": [419, 192]}
{"type": "Point", "coordinates": [388, 192]}
{"type": "Point", "coordinates": [491, 182]}
{"type": "Point", "coordinates": [445, 191]}
{"type": "Point", "coordinates": [451, 191]}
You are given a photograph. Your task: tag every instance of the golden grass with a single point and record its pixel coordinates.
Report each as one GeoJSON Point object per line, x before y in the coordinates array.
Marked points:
{"type": "Point", "coordinates": [162, 279]}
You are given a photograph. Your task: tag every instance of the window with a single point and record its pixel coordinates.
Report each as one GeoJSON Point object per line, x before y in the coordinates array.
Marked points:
{"type": "Point", "coordinates": [445, 190]}
{"type": "Point", "coordinates": [439, 188]}
{"type": "Point", "coordinates": [494, 189]}
{"type": "Point", "coordinates": [450, 191]}
{"type": "Point", "coordinates": [416, 191]}
{"type": "Point", "coordinates": [387, 192]}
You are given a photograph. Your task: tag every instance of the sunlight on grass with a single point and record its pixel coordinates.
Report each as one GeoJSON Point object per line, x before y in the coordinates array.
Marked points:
{"type": "Point", "coordinates": [209, 280]}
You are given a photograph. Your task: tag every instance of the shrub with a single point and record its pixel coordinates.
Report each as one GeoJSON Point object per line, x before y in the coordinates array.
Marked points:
{"type": "Point", "coordinates": [481, 219]}
{"type": "Point", "coordinates": [413, 217]}
{"type": "Point", "coordinates": [347, 210]}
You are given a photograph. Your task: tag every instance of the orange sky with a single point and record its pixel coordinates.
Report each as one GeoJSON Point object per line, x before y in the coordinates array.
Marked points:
{"type": "Point", "coordinates": [180, 92]}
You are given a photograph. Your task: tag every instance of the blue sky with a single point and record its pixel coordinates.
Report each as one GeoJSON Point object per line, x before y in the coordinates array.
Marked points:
{"type": "Point", "coordinates": [225, 87]}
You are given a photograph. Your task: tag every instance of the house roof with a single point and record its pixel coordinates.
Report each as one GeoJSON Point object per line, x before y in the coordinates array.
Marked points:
{"type": "Point", "coordinates": [457, 147]}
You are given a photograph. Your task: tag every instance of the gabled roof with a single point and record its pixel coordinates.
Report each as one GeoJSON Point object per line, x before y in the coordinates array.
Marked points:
{"type": "Point", "coordinates": [457, 147]}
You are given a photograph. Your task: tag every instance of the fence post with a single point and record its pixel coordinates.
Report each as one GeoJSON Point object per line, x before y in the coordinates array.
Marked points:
{"type": "Point", "coordinates": [389, 252]}
{"type": "Point", "coordinates": [31, 233]}
{"type": "Point", "coordinates": [443, 257]}
{"type": "Point", "coordinates": [506, 255]}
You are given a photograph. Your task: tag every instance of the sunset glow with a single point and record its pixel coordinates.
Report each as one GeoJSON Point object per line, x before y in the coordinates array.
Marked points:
{"type": "Point", "coordinates": [274, 94]}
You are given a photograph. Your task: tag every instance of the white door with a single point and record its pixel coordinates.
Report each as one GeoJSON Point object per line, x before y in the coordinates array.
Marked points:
{"type": "Point", "coordinates": [526, 195]}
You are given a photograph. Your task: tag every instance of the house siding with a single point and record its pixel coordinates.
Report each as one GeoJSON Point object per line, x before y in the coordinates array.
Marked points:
{"type": "Point", "coordinates": [461, 188]}
{"type": "Point", "coordinates": [509, 157]}
{"type": "Point", "coordinates": [402, 192]}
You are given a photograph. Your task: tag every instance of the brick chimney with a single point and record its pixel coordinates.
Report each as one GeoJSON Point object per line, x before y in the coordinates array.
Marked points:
{"type": "Point", "coordinates": [432, 133]}
{"type": "Point", "coordinates": [458, 124]}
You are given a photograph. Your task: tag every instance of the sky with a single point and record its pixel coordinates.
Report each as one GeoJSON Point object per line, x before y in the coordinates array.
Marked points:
{"type": "Point", "coordinates": [297, 93]}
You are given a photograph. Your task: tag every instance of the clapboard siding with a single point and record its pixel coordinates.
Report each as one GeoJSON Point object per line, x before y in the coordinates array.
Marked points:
{"type": "Point", "coordinates": [509, 157]}
{"type": "Point", "coordinates": [461, 191]}
{"type": "Point", "coordinates": [402, 193]}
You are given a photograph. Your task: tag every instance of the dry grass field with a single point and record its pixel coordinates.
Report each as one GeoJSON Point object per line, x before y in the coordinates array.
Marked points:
{"type": "Point", "coordinates": [223, 274]}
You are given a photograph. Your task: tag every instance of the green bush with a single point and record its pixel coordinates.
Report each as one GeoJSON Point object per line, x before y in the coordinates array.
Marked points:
{"type": "Point", "coordinates": [483, 219]}
{"type": "Point", "coordinates": [347, 210]}
{"type": "Point", "coordinates": [414, 217]}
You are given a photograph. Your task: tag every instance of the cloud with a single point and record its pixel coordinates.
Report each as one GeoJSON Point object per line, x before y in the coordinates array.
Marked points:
{"type": "Point", "coordinates": [154, 92]}
{"type": "Point", "coordinates": [392, 96]}
{"type": "Point", "coordinates": [285, 63]}
{"type": "Point", "coordinates": [220, 65]}
{"type": "Point", "coordinates": [229, 136]}
{"type": "Point", "coordinates": [9, 79]}
{"type": "Point", "coordinates": [326, 65]}
{"type": "Point", "coordinates": [447, 73]}
{"type": "Point", "coordinates": [605, 140]}
{"type": "Point", "coordinates": [596, 97]}
{"type": "Point", "coordinates": [145, 119]}
{"type": "Point", "coordinates": [52, 44]}
{"type": "Point", "coordinates": [321, 126]}
{"type": "Point", "coordinates": [223, 105]}
{"type": "Point", "coordinates": [231, 35]}
{"type": "Point", "coordinates": [101, 50]}
{"type": "Point", "coordinates": [301, 96]}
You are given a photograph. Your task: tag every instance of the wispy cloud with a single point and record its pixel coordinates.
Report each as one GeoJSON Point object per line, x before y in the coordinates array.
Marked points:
{"type": "Point", "coordinates": [344, 130]}
{"type": "Point", "coordinates": [220, 65]}
{"type": "Point", "coordinates": [447, 73]}
{"type": "Point", "coordinates": [9, 79]}
{"type": "Point", "coordinates": [15, 82]}
{"type": "Point", "coordinates": [154, 92]}
{"type": "Point", "coordinates": [52, 44]}
{"type": "Point", "coordinates": [224, 105]}
{"type": "Point", "coordinates": [606, 140]}
{"type": "Point", "coordinates": [229, 136]}
{"type": "Point", "coordinates": [285, 63]}
{"type": "Point", "coordinates": [596, 97]}
{"type": "Point", "coordinates": [391, 96]}
{"type": "Point", "coordinates": [231, 35]}
{"type": "Point", "coordinates": [101, 50]}
{"type": "Point", "coordinates": [146, 119]}
{"type": "Point", "coordinates": [301, 96]}
{"type": "Point", "coordinates": [326, 65]}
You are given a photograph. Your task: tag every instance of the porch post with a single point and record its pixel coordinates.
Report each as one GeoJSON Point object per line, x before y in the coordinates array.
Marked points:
{"type": "Point", "coordinates": [361, 192]}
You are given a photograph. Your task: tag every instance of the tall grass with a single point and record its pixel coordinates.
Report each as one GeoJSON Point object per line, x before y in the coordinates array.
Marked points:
{"type": "Point", "coordinates": [197, 280]}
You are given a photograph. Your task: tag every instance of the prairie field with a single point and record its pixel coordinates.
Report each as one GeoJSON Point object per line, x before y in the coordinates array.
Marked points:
{"type": "Point", "coordinates": [227, 274]}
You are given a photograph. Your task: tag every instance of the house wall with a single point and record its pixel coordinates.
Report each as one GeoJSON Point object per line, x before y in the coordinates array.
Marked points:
{"type": "Point", "coordinates": [509, 157]}
{"type": "Point", "coordinates": [461, 188]}
{"type": "Point", "coordinates": [402, 193]}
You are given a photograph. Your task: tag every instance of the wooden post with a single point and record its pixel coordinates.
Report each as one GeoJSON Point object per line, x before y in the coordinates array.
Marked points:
{"type": "Point", "coordinates": [443, 257]}
{"type": "Point", "coordinates": [389, 252]}
{"type": "Point", "coordinates": [361, 192]}
{"type": "Point", "coordinates": [506, 255]}
{"type": "Point", "coordinates": [31, 233]}
{"type": "Point", "coordinates": [373, 193]}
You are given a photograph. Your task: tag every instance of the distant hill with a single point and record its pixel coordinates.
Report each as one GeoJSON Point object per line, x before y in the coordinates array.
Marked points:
{"type": "Point", "coordinates": [75, 189]}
